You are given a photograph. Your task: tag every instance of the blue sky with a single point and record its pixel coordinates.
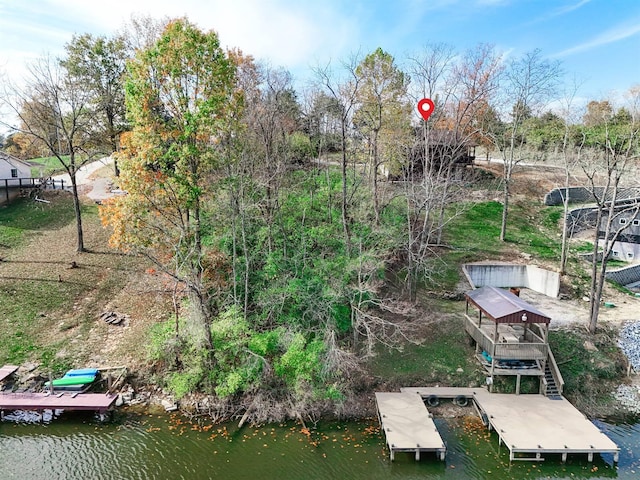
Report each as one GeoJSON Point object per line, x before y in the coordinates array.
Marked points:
{"type": "Point", "coordinates": [598, 41]}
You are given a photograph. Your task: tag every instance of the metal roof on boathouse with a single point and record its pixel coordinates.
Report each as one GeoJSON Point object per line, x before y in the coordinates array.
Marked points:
{"type": "Point", "coordinates": [502, 306]}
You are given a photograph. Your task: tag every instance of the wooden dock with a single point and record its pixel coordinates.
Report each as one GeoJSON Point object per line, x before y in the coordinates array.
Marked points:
{"type": "Point", "coordinates": [407, 425]}
{"type": "Point", "coordinates": [99, 402]}
{"type": "Point", "coordinates": [7, 371]}
{"type": "Point", "coordinates": [531, 426]}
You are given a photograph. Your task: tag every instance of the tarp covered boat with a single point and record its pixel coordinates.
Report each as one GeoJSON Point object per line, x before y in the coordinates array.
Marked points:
{"type": "Point", "coordinates": [80, 372]}
{"type": "Point", "coordinates": [74, 381]}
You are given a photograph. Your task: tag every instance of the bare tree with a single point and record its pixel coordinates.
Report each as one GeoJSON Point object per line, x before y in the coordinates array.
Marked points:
{"type": "Point", "coordinates": [55, 108]}
{"type": "Point", "coordinates": [613, 158]}
{"type": "Point", "coordinates": [430, 70]}
{"type": "Point", "coordinates": [142, 31]}
{"type": "Point", "coordinates": [274, 116]}
{"type": "Point", "coordinates": [462, 87]}
{"type": "Point", "coordinates": [571, 154]}
{"type": "Point", "coordinates": [527, 84]}
{"type": "Point", "coordinates": [474, 83]}
{"type": "Point", "coordinates": [344, 93]}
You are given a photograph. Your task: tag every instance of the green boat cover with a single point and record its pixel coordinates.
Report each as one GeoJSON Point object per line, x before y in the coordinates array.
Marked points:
{"type": "Point", "coordinates": [69, 381]}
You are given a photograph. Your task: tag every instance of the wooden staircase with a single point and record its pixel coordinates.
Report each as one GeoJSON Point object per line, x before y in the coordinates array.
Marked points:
{"type": "Point", "coordinates": [551, 387]}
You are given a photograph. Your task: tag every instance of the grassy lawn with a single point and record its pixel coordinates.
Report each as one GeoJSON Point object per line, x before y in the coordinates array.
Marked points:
{"type": "Point", "coordinates": [473, 234]}
{"type": "Point", "coordinates": [23, 217]}
{"type": "Point", "coordinates": [443, 356]}
{"type": "Point", "coordinates": [23, 298]}
{"type": "Point", "coordinates": [475, 230]}
{"type": "Point", "coordinates": [45, 166]}
{"type": "Point", "coordinates": [50, 310]}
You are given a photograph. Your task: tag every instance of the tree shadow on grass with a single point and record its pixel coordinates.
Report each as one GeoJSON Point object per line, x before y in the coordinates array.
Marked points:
{"type": "Point", "coordinates": [47, 280]}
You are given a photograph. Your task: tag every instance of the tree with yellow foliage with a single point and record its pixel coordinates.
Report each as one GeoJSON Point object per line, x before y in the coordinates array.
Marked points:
{"type": "Point", "coordinates": [178, 94]}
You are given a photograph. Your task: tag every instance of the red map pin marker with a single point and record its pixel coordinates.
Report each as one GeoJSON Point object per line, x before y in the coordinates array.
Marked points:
{"type": "Point", "coordinates": [426, 108]}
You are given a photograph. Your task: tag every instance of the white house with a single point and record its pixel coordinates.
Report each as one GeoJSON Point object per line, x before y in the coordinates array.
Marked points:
{"type": "Point", "coordinates": [14, 176]}
{"type": "Point", "coordinates": [12, 168]}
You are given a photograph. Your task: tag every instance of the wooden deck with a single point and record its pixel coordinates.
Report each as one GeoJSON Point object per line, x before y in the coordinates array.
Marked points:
{"type": "Point", "coordinates": [100, 402]}
{"type": "Point", "coordinates": [532, 426]}
{"type": "Point", "coordinates": [7, 370]}
{"type": "Point", "coordinates": [504, 342]}
{"type": "Point", "coordinates": [407, 425]}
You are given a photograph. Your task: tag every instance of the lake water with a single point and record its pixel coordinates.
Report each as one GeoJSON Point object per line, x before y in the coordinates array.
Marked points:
{"type": "Point", "coordinates": [146, 447]}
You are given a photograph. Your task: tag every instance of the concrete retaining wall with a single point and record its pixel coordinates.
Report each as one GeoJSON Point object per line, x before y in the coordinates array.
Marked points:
{"type": "Point", "coordinates": [511, 275]}
{"type": "Point", "coordinates": [584, 195]}
{"type": "Point", "coordinates": [573, 195]}
{"type": "Point", "coordinates": [625, 276]}
{"type": "Point", "coordinates": [580, 219]}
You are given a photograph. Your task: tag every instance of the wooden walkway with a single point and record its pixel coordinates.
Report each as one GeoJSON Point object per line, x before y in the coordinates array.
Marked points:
{"type": "Point", "coordinates": [531, 426]}
{"type": "Point", "coordinates": [407, 425]}
{"type": "Point", "coordinates": [100, 402]}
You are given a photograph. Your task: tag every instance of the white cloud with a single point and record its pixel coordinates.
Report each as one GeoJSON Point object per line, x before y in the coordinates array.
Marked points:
{"type": "Point", "coordinates": [613, 35]}
{"type": "Point", "coordinates": [286, 32]}
{"type": "Point", "coordinates": [569, 8]}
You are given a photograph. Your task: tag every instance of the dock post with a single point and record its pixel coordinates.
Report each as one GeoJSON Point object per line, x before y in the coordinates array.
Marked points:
{"type": "Point", "coordinates": [417, 454]}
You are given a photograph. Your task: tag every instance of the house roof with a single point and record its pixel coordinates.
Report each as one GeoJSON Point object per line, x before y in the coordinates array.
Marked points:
{"type": "Point", "coordinates": [13, 161]}
{"type": "Point", "coordinates": [502, 306]}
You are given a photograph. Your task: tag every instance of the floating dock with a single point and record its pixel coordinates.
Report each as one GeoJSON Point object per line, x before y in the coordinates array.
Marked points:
{"type": "Point", "coordinates": [407, 425]}
{"type": "Point", "coordinates": [530, 426]}
{"type": "Point", "coordinates": [99, 402]}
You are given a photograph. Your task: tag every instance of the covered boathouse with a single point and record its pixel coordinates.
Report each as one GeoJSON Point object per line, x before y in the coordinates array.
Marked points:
{"type": "Point", "coordinates": [511, 338]}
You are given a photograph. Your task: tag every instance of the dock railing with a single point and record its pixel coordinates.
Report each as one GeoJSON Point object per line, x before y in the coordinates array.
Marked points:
{"type": "Point", "coordinates": [526, 350]}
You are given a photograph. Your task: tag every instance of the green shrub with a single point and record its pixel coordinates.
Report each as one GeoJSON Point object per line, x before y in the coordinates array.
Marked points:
{"type": "Point", "coordinates": [266, 343]}
{"type": "Point", "coordinates": [301, 363]}
{"type": "Point", "coordinates": [300, 147]}
{"type": "Point", "coordinates": [184, 382]}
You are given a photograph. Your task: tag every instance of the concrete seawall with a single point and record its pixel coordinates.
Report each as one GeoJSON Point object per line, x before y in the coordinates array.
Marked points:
{"type": "Point", "coordinates": [511, 275]}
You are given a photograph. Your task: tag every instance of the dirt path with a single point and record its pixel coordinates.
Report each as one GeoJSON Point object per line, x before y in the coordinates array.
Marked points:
{"type": "Point", "coordinates": [95, 187]}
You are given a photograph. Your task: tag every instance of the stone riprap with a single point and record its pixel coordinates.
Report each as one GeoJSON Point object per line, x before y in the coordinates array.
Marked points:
{"type": "Point", "coordinates": [629, 342]}
{"type": "Point", "coordinates": [629, 397]}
